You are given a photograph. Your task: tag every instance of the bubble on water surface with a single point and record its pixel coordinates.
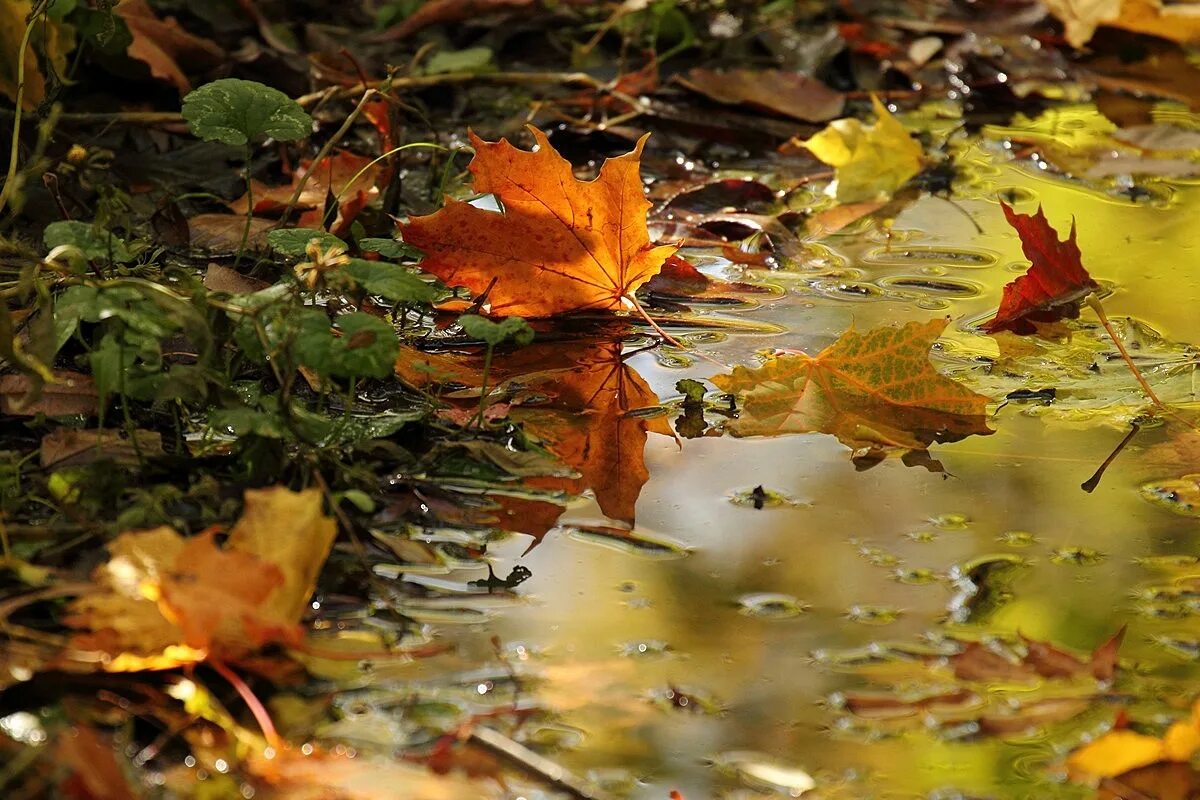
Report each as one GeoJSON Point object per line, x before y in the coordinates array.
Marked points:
{"type": "Point", "coordinates": [950, 522]}
{"type": "Point", "coordinates": [1077, 556]}
{"type": "Point", "coordinates": [873, 615]}
{"type": "Point", "coordinates": [1017, 538]}
{"type": "Point", "coordinates": [771, 605]}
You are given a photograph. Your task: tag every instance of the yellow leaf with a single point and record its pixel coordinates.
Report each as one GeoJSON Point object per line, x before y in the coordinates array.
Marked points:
{"type": "Point", "coordinates": [1115, 753]}
{"type": "Point", "coordinates": [1080, 18]}
{"type": "Point", "coordinates": [52, 39]}
{"type": "Point", "coordinates": [870, 161]}
{"type": "Point", "coordinates": [289, 529]}
{"type": "Point", "coordinates": [876, 390]}
{"type": "Point", "coordinates": [164, 600]}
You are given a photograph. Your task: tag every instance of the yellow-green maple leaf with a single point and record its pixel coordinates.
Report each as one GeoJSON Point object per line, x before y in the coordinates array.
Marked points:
{"type": "Point", "coordinates": [870, 161]}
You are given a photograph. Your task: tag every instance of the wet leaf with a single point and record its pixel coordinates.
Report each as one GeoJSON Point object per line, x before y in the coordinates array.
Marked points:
{"type": "Point", "coordinates": [293, 242]}
{"type": "Point", "coordinates": [65, 447]}
{"type": "Point", "coordinates": [870, 161]}
{"type": "Point", "coordinates": [236, 112]}
{"type": "Point", "coordinates": [221, 234]}
{"type": "Point", "coordinates": [92, 762]}
{"type": "Point", "coordinates": [163, 600]}
{"type": "Point", "coordinates": [1055, 283]}
{"type": "Point", "coordinates": [1120, 751]}
{"type": "Point", "coordinates": [560, 244]}
{"type": "Point", "coordinates": [875, 391]}
{"type": "Point", "coordinates": [790, 94]}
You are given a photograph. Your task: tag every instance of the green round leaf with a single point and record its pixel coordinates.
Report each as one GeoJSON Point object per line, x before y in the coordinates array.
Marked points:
{"type": "Point", "coordinates": [391, 282]}
{"type": "Point", "coordinates": [366, 348]}
{"type": "Point", "coordinates": [235, 112]}
{"type": "Point", "coordinates": [291, 242]}
{"type": "Point", "coordinates": [96, 244]}
{"type": "Point", "coordinates": [493, 333]}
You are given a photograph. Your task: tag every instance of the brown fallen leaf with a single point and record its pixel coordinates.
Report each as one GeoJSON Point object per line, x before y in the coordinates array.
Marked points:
{"type": "Point", "coordinates": [1040, 660]}
{"type": "Point", "coordinates": [221, 234]}
{"type": "Point", "coordinates": [876, 392]}
{"type": "Point", "coordinates": [69, 394]}
{"type": "Point", "coordinates": [69, 447]}
{"type": "Point", "coordinates": [1177, 22]}
{"type": "Point", "coordinates": [165, 47]}
{"type": "Point", "coordinates": [789, 94]}
{"type": "Point", "coordinates": [229, 281]}
{"type": "Point", "coordinates": [560, 245]}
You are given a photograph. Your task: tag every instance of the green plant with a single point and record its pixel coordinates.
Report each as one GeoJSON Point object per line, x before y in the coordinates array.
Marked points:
{"type": "Point", "coordinates": [492, 334]}
{"type": "Point", "coordinates": [237, 113]}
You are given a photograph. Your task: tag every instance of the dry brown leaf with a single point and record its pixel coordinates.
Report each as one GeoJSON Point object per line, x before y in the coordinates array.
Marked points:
{"type": "Point", "coordinates": [70, 393]}
{"type": "Point", "coordinates": [67, 447]}
{"type": "Point", "coordinates": [165, 47]}
{"type": "Point", "coordinates": [790, 94]}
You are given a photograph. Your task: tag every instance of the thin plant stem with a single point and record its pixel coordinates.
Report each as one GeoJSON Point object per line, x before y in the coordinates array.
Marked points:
{"type": "Point", "coordinates": [325, 150]}
{"type": "Point", "coordinates": [1094, 304]}
{"type": "Point", "coordinates": [249, 207]}
{"type": "Point", "coordinates": [14, 154]}
{"type": "Point", "coordinates": [666, 336]}
{"type": "Point", "coordinates": [483, 389]}
{"type": "Point", "coordinates": [261, 716]}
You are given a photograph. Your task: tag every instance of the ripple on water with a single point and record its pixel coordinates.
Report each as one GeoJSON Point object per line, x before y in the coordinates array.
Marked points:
{"type": "Point", "coordinates": [973, 258]}
{"type": "Point", "coordinates": [762, 772]}
{"type": "Point", "coordinates": [631, 542]}
{"type": "Point", "coordinates": [931, 285]}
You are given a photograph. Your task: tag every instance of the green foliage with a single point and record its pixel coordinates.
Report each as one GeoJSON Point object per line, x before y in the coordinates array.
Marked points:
{"type": "Point", "coordinates": [391, 282]}
{"type": "Point", "coordinates": [96, 244]}
{"type": "Point", "coordinates": [494, 333]}
{"type": "Point", "coordinates": [237, 112]}
{"type": "Point", "coordinates": [470, 59]}
{"type": "Point", "coordinates": [292, 242]}
{"type": "Point", "coordinates": [692, 391]}
{"type": "Point", "coordinates": [389, 249]}
{"type": "Point", "coordinates": [363, 346]}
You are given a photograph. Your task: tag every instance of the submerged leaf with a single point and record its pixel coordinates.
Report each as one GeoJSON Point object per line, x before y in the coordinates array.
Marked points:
{"type": "Point", "coordinates": [560, 244]}
{"type": "Point", "coordinates": [876, 391]}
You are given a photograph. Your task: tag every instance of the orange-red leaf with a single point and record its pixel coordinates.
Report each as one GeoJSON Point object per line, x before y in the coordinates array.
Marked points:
{"type": "Point", "coordinates": [1053, 286]}
{"type": "Point", "coordinates": [876, 391]}
{"type": "Point", "coordinates": [559, 245]}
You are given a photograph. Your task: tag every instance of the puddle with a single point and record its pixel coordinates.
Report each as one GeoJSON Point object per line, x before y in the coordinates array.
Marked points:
{"type": "Point", "coordinates": [700, 650]}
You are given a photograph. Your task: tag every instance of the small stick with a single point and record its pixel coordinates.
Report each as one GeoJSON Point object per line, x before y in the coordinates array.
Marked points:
{"type": "Point", "coordinates": [1137, 373]}
{"type": "Point", "coordinates": [1091, 483]}
{"type": "Point", "coordinates": [554, 774]}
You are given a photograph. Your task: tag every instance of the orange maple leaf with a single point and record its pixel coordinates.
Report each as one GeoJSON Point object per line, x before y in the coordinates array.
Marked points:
{"type": "Point", "coordinates": [875, 391]}
{"type": "Point", "coordinates": [559, 245]}
{"type": "Point", "coordinates": [163, 600]}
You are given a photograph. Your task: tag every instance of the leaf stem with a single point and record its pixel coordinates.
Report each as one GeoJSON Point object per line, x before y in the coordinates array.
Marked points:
{"type": "Point", "coordinates": [261, 716]}
{"type": "Point", "coordinates": [249, 206]}
{"type": "Point", "coordinates": [1094, 304]}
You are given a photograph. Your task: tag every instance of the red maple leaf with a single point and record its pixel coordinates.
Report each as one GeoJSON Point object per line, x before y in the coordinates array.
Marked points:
{"type": "Point", "coordinates": [1055, 283]}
